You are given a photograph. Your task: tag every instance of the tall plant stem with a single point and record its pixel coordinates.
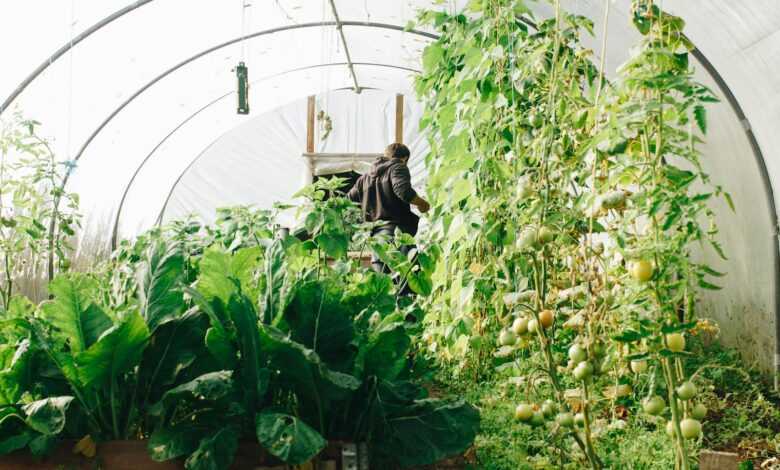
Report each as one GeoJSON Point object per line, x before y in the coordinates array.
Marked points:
{"type": "Point", "coordinates": [589, 450]}
{"type": "Point", "coordinates": [676, 415]}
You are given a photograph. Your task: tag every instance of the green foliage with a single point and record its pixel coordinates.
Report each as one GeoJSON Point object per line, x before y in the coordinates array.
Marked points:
{"type": "Point", "coordinates": [566, 205]}
{"type": "Point", "coordinates": [198, 336]}
{"type": "Point", "coordinates": [37, 218]}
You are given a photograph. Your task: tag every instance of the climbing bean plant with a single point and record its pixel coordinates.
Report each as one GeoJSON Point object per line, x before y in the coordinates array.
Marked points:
{"type": "Point", "coordinates": [565, 208]}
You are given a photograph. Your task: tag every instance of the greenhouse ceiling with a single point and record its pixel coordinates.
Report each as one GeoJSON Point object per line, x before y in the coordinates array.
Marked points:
{"type": "Point", "coordinates": [94, 73]}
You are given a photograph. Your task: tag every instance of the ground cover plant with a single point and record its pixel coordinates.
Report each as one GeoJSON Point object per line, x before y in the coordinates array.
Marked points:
{"type": "Point", "coordinates": [197, 337]}
{"type": "Point", "coordinates": [566, 208]}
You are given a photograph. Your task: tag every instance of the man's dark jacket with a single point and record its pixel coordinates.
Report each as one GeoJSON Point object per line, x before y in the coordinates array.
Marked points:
{"type": "Point", "coordinates": [385, 193]}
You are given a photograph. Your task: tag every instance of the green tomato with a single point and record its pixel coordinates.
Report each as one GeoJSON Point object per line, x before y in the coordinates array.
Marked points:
{"type": "Point", "coordinates": [699, 411]}
{"type": "Point", "coordinates": [675, 342]}
{"type": "Point", "coordinates": [670, 429]}
{"type": "Point", "coordinates": [583, 371]}
{"type": "Point", "coordinates": [579, 419]}
{"type": "Point", "coordinates": [520, 326]}
{"type": "Point", "coordinates": [690, 428]}
{"type": "Point", "coordinates": [537, 419]}
{"type": "Point", "coordinates": [546, 235]}
{"type": "Point", "coordinates": [686, 391]}
{"type": "Point", "coordinates": [654, 405]}
{"type": "Point", "coordinates": [527, 240]}
{"type": "Point", "coordinates": [549, 408]}
{"type": "Point", "coordinates": [533, 325]}
{"type": "Point", "coordinates": [565, 420]}
{"type": "Point", "coordinates": [507, 338]}
{"type": "Point", "coordinates": [524, 412]}
{"type": "Point", "coordinates": [577, 353]}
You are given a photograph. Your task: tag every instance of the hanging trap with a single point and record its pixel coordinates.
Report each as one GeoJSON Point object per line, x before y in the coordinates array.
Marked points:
{"type": "Point", "coordinates": [242, 74]}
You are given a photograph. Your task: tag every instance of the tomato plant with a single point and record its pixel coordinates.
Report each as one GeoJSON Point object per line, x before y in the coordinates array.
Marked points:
{"type": "Point", "coordinates": [566, 208]}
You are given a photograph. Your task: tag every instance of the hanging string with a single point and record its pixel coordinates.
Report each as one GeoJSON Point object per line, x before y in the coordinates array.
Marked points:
{"type": "Point", "coordinates": [69, 114]}
{"type": "Point", "coordinates": [244, 5]}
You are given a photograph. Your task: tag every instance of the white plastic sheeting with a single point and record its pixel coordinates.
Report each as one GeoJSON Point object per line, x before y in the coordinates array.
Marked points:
{"type": "Point", "coordinates": [181, 115]}
{"type": "Point", "coordinates": [260, 162]}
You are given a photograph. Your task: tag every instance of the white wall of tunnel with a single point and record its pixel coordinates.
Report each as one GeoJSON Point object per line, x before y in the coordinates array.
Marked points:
{"type": "Point", "coordinates": [78, 92]}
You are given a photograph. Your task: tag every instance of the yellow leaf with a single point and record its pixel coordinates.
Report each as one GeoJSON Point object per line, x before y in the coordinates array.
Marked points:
{"type": "Point", "coordinates": [86, 447]}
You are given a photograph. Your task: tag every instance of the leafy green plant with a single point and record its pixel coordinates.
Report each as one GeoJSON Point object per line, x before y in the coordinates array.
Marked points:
{"type": "Point", "coordinates": [197, 336]}
{"type": "Point", "coordinates": [30, 178]}
{"type": "Point", "coordinates": [565, 210]}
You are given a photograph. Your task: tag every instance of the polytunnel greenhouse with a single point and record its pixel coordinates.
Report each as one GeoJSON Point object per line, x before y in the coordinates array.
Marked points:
{"type": "Point", "coordinates": [353, 234]}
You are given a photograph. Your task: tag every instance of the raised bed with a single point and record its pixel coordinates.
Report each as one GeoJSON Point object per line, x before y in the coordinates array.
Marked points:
{"type": "Point", "coordinates": [132, 455]}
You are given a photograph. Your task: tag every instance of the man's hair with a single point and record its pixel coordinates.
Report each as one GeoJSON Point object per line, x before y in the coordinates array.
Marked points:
{"type": "Point", "coordinates": [397, 150]}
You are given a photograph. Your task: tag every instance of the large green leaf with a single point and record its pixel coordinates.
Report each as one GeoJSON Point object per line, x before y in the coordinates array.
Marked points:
{"type": "Point", "coordinates": [384, 353]}
{"type": "Point", "coordinates": [316, 318]}
{"type": "Point", "coordinates": [15, 378]}
{"type": "Point", "coordinates": [425, 432]}
{"type": "Point", "coordinates": [47, 416]}
{"type": "Point", "coordinates": [159, 281]}
{"type": "Point", "coordinates": [301, 371]}
{"type": "Point", "coordinates": [220, 272]}
{"type": "Point", "coordinates": [215, 452]}
{"type": "Point", "coordinates": [254, 378]}
{"type": "Point", "coordinates": [76, 319]}
{"type": "Point", "coordinates": [174, 346]}
{"type": "Point", "coordinates": [211, 386]}
{"type": "Point", "coordinates": [117, 351]}
{"type": "Point", "coordinates": [275, 281]}
{"type": "Point", "coordinates": [288, 438]}
{"type": "Point", "coordinates": [176, 441]}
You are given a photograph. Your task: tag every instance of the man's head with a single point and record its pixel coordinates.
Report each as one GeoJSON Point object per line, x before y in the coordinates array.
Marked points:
{"type": "Point", "coordinates": [398, 151]}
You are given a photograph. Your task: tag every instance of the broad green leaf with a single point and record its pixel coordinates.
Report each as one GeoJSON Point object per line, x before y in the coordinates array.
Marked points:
{"type": "Point", "coordinates": [15, 442]}
{"type": "Point", "coordinates": [384, 353]}
{"type": "Point", "coordinates": [254, 377]}
{"type": "Point", "coordinates": [42, 444]}
{"type": "Point", "coordinates": [302, 371]}
{"type": "Point", "coordinates": [173, 347]}
{"type": "Point", "coordinates": [176, 441]}
{"type": "Point", "coordinates": [159, 281]}
{"type": "Point", "coordinates": [47, 416]}
{"type": "Point", "coordinates": [220, 272]}
{"type": "Point", "coordinates": [15, 378]}
{"type": "Point", "coordinates": [76, 319]}
{"type": "Point", "coordinates": [288, 438]}
{"type": "Point", "coordinates": [117, 351]}
{"type": "Point", "coordinates": [316, 318]}
{"type": "Point", "coordinates": [333, 244]}
{"type": "Point", "coordinates": [215, 452]}
{"type": "Point", "coordinates": [275, 281]}
{"type": "Point", "coordinates": [221, 347]}
{"type": "Point", "coordinates": [426, 431]}
{"type": "Point", "coordinates": [211, 386]}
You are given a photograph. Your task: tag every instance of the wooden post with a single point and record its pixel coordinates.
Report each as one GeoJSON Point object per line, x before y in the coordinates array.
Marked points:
{"type": "Point", "coordinates": [310, 125]}
{"type": "Point", "coordinates": [399, 118]}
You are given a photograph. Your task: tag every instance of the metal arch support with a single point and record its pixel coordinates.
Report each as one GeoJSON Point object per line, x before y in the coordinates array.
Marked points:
{"type": "Point", "coordinates": [197, 56]}
{"type": "Point", "coordinates": [769, 193]}
{"type": "Point", "coordinates": [339, 28]}
{"type": "Point", "coordinates": [115, 226]}
{"type": "Point", "coordinates": [68, 46]}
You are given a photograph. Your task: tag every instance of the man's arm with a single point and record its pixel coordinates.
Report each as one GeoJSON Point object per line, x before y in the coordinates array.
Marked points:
{"type": "Point", "coordinates": [401, 180]}
{"type": "Point", "coordinates": [354, 193]}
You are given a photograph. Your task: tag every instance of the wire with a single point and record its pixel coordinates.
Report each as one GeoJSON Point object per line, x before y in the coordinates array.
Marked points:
{"type": "Point", "coordinates": [69, 114]}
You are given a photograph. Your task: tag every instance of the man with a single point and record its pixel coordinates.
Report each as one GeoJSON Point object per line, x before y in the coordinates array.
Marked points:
{"type": "Point", "coordinates": [385, 194]}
